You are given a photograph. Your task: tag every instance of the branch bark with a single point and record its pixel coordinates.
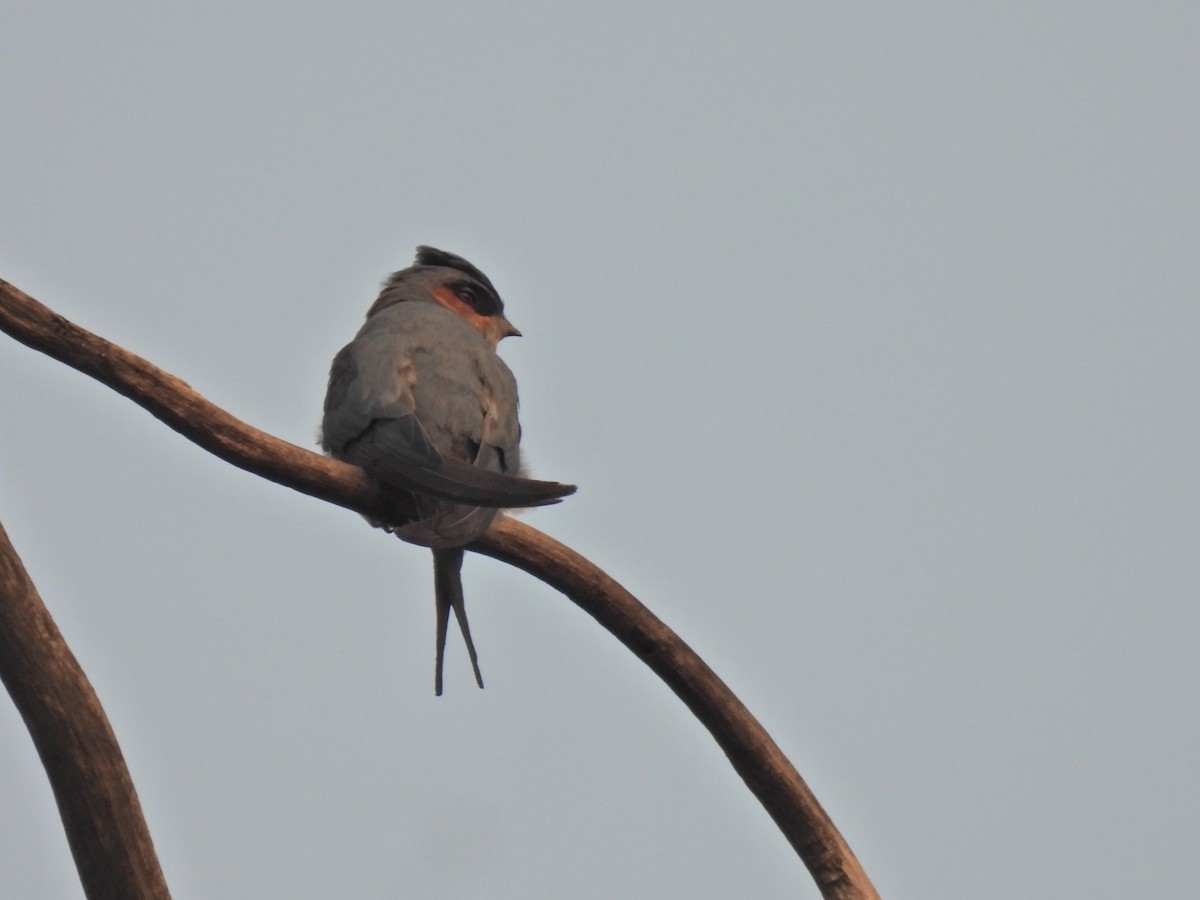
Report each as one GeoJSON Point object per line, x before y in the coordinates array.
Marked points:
{"type": "Point", "coordinates": [757, 758]}
{"type": "Point", "coordinates": [754, 755]}
{"type": "Point", "coordinates": [95, 795]}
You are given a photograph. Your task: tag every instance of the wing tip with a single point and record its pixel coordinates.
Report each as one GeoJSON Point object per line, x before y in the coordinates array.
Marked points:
{"type": "Point", "coordinates": [474, 485]}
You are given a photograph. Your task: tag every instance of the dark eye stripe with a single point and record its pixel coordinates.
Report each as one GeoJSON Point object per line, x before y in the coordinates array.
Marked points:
{"type": "Point", "coordinates": [483, 302]}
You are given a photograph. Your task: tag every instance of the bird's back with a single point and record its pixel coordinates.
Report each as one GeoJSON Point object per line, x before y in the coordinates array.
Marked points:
{"type": "Point", "coordinates": [417, 378]}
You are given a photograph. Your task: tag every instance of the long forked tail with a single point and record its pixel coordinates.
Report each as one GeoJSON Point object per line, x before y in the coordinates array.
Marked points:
{"type": "Point", "coordinates": [447, 588]}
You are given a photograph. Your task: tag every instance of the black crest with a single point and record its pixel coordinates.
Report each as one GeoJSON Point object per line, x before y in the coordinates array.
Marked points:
{"type": "Point", "coordinates": [431, 256]}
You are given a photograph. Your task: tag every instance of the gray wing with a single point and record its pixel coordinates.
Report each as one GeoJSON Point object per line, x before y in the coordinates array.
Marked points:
{"type": "Point", "coordinates": [468, 407]}
{"type": "Point", "coordinates": [371, 380]}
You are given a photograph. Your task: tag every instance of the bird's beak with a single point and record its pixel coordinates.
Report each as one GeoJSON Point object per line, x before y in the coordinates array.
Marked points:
{"type": "Point", "coordinates": [494, 328]}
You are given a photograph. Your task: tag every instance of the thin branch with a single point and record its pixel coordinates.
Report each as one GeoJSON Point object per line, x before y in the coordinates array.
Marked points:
{"type": "Point", "coordinates": [755, 756]}
{"type": "Point", "coordinates": [96, 799]}
{"type": "Point", "coordinates": [174, 402]}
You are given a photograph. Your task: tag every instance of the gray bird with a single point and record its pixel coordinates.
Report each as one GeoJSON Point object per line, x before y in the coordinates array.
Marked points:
{"type": "Point", "coordinates": [420, 400]}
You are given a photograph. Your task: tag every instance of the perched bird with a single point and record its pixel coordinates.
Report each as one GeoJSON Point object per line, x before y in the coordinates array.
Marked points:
{"type": "Point", "coordinates": [420, 400]}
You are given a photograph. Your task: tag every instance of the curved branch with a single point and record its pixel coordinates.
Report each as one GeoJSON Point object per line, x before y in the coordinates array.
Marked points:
{"type": "Point", "coordinates": [95, 795]}
{"type": "Point", "coordinates": [755, 756]}
{"type": "Point", "coordinates": [174, 402]}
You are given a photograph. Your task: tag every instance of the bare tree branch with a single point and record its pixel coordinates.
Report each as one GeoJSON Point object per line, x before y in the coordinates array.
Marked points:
{"type": "Point", "coordinates": [96, 799]}
{"type": "Point", "coordinates": [755, 756]}
{"type": "Point", "coordinates": [175, 403]}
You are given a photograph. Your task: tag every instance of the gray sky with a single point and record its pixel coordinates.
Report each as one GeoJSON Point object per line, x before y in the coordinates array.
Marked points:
{"type": "Point", "coordinates": [869, 333]}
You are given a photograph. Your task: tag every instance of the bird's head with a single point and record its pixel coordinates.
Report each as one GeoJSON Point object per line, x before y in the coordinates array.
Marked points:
{"type": "Point", "coordinates": [452, 282]}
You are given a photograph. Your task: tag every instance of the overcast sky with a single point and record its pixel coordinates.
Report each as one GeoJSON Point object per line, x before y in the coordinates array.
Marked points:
{"type": "Point", "coordinates": [869, 333]}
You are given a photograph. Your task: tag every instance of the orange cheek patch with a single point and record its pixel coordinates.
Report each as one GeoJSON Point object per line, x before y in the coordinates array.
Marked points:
{"type": "Point", "coordinates": [447, 298]}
